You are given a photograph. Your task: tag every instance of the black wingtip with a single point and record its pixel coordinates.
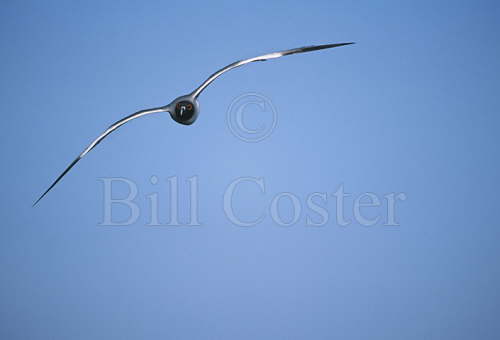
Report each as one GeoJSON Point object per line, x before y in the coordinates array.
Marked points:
{"type": "Point", "coordinates": [38, 200]}
{"type": "Point", "coordinates": [57, 180]}
{"type": "Point", "coordinates": [45, 193]}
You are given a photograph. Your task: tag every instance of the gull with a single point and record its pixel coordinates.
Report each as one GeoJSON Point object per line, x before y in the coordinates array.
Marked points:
{"type": "Point", "coordinates": [184, 109]}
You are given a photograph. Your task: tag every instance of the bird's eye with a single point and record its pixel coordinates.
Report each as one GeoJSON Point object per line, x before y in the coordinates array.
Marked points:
{"type": "Point", "coordinates": [178, 105]}
{"type": "Point", "coordinates": [189, 107]}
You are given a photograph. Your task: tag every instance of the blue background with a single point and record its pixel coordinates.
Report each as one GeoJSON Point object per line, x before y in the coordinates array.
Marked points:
{"type": "Point", "coordinates": [412, 107]}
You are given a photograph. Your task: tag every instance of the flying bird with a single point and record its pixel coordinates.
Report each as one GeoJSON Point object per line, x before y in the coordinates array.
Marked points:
{"type": "Point", "coordinates": [185, 109]}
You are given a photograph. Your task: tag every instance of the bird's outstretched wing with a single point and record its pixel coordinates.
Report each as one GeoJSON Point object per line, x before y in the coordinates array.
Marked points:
{"type": "Point", "coordinates": [264, 57]}
{"type": "Point", "coordinates": [99, 139]}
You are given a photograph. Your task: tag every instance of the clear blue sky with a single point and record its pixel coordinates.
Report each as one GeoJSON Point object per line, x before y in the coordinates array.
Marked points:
{"type": "Point", "coordinates": [412, 107]}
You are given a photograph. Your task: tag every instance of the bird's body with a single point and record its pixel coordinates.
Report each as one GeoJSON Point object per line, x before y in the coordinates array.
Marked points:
{"type": "Point", "coordinates": [185, 109]}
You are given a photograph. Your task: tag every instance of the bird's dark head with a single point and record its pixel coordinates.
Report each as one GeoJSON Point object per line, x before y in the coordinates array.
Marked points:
{"type": "Point", "coordinates": [184, 110]}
